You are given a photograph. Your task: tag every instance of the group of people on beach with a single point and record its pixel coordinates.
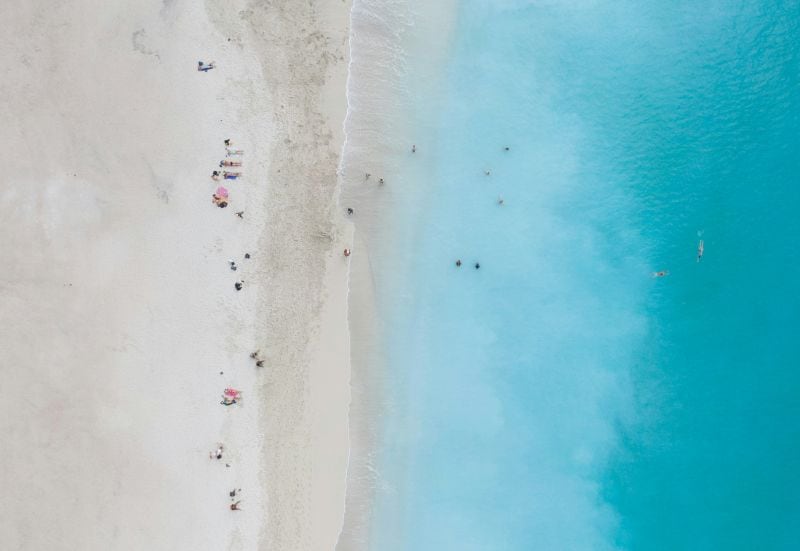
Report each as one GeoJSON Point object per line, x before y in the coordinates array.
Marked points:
{"type": "Point", "coordinates": [231, 396]}
{"type": "Point", "coordinates": [228, 170]}
{"type": "Point", "coordinates": [221, 195]}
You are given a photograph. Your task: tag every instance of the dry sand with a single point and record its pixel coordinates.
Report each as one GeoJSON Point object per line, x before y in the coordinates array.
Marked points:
{"type": "Point", "coordinates": [117, 306]}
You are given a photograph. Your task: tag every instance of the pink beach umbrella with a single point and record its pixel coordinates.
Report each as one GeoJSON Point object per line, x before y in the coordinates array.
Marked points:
{"type": "Point", "coordinates": [222, 192]}
{"type": "Point", "coordinates": [232, 392]}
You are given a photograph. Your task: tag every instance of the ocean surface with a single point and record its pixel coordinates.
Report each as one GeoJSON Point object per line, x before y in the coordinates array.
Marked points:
{"type": "Point", "coordinates": [560, 397]}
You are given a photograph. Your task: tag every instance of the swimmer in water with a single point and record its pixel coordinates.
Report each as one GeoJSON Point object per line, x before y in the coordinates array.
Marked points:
{"type": "Point", "coordinates": [700, 248]}
{"type": "Point", "coordinates": [662, 273]}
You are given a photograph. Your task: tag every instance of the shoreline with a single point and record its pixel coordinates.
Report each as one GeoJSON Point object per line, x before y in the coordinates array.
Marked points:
{"type": "Point", "coordinates": [389, 43]}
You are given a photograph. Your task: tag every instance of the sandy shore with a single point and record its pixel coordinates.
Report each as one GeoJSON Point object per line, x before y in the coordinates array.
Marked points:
{"type": "Point", "coordinates": [121, 322]}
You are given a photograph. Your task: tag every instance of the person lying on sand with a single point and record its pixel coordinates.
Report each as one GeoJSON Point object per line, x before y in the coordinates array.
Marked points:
{"type": "Point", "coordinates": [228, 401]}
{"type": "Point", "coordinates": [232, 152]}
{"type": "Point", "coordinates": [231, 175]}
{"type": "Point", "coordinates": [230, 163]}
{"type": "Point", "coordinates": [216, 454]}
{"type": "Point", "coordinates": [204, 66]}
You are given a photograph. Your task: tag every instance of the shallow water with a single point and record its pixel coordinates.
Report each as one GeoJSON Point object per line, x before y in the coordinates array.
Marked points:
{"type": "Point", "coordinates": [559, 397]}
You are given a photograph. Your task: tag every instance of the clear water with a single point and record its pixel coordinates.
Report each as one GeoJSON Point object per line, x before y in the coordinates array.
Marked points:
{"type": "Point", "coordinates": [559, 397]}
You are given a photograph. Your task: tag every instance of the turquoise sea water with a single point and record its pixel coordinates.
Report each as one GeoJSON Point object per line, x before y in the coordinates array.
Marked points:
{"type": "Point", "coordinates": [559, 397]}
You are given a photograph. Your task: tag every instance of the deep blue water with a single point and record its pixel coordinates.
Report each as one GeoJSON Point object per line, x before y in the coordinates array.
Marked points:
{"type": "Point", "coordinates": [560, 397]}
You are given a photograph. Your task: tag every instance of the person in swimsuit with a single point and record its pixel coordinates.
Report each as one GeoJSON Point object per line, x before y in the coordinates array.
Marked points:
{"type": "Point", "coordinates": [204, 66]}
{"type": "Point", "coordinates": [231, 175]}
{"type": "Point", "coordinates": [230, 163]}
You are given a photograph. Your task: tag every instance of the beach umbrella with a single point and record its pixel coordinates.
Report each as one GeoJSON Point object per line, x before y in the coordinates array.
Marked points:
{"type": "Point", "coordinates": [222, 192]}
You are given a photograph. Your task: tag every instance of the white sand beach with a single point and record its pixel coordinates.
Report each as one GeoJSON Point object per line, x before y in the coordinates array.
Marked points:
{"type": "Point", "coordinates": [120, 322]}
